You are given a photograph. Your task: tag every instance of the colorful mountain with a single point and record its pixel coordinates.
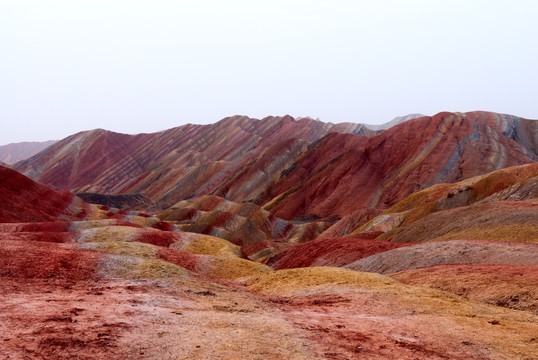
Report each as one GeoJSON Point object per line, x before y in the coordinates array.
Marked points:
{"type": "Point", "coordinates": [179, 163]}
{"type": "Point", "coordinates": [297, 169]}
{"type": "Point", "coordinates": [345, 173]}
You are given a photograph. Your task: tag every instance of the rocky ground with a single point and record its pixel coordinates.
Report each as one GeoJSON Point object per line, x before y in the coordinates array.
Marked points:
{"type": "Point", "coordinates": [60, 301]}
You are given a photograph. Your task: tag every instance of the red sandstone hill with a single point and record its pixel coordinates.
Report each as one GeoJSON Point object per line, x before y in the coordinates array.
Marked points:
{"type": "Point", "coordinates": [182, 162]}
{"type": "Point", "coordinates": [12, 153]}
{"type": "Point", "coordinates": [23, 200]}
{"type": "Point", "coordinates": [343, 173]}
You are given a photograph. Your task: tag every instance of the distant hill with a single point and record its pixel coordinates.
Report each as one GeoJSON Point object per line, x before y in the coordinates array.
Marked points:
{"type": "Point", "coordinates": [397, 120]}
{"type": "Point", "coordinates": [12, 153]}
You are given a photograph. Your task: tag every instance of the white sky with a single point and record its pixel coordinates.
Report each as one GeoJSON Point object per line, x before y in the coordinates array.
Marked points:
{"type": "Point", "coordinates": [143, 66]}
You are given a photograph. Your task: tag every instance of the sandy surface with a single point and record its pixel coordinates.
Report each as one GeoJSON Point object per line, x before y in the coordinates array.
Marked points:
{"type": "Point", "coordinates": [146, 319]}
{"type": "Point", "coordinates": [58, 301]}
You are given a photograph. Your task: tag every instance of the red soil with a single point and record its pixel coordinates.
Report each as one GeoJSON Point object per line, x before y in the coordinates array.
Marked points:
{"type": "Point", "coordinates": [184, 259]}
{"type": "Point", "coordinates": [159, 238]}
{"type": "Point", "coordinates": [43, 260]}
{"type": "Point", "coordinates": [51, 237]}
{"type": "Point", "coordinates": [369, 325]}
{"type": "Point", "coordinates": [56, 226]}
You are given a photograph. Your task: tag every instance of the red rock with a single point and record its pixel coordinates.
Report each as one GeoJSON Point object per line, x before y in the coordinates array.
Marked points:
{"type": "Point", "coordinates": [42, 260]}
{"type": "Point", "coordinates": [329, 252]}
{"type": "Point", "coordinates": [23, 200]}
{"type": "Point", "coordinates": [344, 173]}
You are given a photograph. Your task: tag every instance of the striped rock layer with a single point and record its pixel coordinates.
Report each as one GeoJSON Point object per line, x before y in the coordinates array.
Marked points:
{"type": "Point", "coordinates": [182, 162]}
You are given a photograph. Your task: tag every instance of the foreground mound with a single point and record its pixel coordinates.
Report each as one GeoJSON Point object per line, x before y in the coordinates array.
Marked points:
{"type": "Point", "coordinates": [59, 301]}
{"type": "Point", "coordinates": [363, 315]}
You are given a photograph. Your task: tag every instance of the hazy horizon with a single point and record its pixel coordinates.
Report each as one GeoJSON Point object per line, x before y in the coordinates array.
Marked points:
{"type": "Point", "coordinates": [135, 66]}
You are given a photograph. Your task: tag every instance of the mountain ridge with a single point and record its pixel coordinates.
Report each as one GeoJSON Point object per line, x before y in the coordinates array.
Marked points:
{"type": "Point", "coordinates": [266, 161]}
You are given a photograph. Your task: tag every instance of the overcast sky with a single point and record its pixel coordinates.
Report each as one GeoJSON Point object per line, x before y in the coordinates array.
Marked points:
{"type": "Point", "coordinates": [143, 66]}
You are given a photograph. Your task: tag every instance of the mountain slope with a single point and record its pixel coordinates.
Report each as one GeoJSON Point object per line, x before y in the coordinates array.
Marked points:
{"type": "Point", "coordinates": [501, 205]}
{"type": "Point", "coordinates": [344, 173]}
